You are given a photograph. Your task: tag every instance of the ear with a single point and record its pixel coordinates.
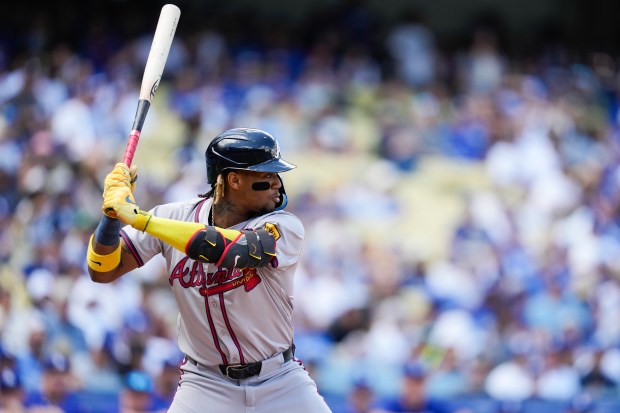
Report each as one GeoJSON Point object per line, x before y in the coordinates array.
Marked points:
{"type": "Point", "coordinates": [233, 179]}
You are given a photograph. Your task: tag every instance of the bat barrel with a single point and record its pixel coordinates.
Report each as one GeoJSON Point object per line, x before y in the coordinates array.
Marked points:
{"type": "Point", "coordinates": [153, 70]}
{"type": "Point", "coordinates": [162, 41]}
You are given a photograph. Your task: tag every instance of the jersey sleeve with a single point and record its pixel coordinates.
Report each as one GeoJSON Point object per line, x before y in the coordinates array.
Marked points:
{"type": "Point", "coordinates": [290, 234]}
{"type": "Point", "coordinates": [144, 246]}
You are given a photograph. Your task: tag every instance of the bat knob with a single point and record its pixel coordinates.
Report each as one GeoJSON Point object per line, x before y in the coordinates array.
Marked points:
{"type": "Point", "coordinates": [110, 212]}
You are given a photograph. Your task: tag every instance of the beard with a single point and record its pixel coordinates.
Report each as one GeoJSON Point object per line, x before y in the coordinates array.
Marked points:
{"type": "Point", "coordinates": [256, 212]}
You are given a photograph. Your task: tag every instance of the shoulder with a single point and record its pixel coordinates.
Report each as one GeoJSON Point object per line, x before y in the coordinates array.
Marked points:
{"type": "Point", "coordinates": [283, 220]}
{"type": "Point", "coordinates": [181, 210]}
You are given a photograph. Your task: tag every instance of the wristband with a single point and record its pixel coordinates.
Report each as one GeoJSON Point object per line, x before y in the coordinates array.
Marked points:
{"type": "Point", "coordinates": [107, 231]}
{"type": "Point", "coordinates": [103, 263]}
{"type": "Point", "coordinates": [142, 221]}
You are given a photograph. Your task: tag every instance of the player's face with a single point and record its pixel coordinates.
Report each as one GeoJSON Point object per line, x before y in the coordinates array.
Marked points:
{"type": "Point", "coordinates": [259, 191]}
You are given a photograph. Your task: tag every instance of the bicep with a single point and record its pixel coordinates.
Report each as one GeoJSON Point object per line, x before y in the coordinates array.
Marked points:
{"type": "Point", "coordinates": [128, 260]}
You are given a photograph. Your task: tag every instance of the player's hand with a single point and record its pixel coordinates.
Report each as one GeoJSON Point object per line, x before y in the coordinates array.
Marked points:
{"type": "Point", "coordinates": [119, 175]}
{"type": "Point", "coordinates": [120, 204]}
{"type": "Point", "coordinates": [118, 192]}
{"type": "Point", "coordinates": [133, 175]}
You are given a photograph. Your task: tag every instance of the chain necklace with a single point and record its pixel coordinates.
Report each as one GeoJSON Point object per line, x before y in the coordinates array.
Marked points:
{"type": "Point", "coordinates": [211, 219]}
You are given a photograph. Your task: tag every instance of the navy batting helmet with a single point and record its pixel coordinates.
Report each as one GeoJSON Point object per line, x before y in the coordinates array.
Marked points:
{"type": "Point", "coordinates": [244, 148]}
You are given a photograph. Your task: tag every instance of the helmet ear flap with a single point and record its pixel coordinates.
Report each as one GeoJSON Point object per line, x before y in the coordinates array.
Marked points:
{"type": "Point", "coordinates": [283, 201]}
{"type": "Point", "coordinates": [283, 197]}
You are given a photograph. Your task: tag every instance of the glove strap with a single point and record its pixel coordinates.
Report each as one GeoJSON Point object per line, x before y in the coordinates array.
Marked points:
{"type": "Point", "coordinates": [103, 263]}
{"type": "Point", "coordinates": [142, 221]}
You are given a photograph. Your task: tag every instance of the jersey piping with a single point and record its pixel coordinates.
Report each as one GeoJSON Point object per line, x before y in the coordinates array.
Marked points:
{"type": "Point", "coordinates": [132, 248]}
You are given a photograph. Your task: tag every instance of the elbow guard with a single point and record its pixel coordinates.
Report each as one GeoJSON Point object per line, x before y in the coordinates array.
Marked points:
{"type": "Point", "coordinates": [238, 249]}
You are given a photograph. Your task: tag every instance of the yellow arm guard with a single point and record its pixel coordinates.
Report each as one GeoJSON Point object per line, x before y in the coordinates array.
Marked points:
{"type": "Point", "coordinates": [179, 234]}
{"type": "Point", "coordinates": [219, 246]}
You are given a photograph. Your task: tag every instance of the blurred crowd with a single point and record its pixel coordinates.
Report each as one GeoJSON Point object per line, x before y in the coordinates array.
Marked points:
{"type": "Point", "coordinates": [461, 211]}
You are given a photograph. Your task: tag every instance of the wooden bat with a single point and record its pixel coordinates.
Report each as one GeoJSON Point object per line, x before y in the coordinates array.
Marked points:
{"type": "Point", "coordinates": [162, 40]}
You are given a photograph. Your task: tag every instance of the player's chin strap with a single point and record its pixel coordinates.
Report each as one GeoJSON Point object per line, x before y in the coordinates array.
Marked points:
{"type": "Point", "coordinates": [265, 185]}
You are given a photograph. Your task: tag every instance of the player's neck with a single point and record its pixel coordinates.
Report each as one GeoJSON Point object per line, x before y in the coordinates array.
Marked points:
{"type": "Point", "coordinates": [225, 214]}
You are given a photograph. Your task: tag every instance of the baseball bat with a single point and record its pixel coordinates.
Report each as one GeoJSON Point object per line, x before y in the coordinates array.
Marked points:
{"type": "Point", "coordinates": [153, 70]}
{"type": "Point", "coordinates": [162, 40]}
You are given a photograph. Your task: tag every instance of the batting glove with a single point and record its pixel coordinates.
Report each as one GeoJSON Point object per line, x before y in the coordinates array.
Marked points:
{"type": "Point", "coordinates": [133, 174]}
{"type": "Point", "coordinates": [119, 175]}
{"type": "Point", "coordinates": [118, 191]}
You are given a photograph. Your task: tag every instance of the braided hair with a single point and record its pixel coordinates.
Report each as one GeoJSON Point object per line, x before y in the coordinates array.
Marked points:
{"type": "Point", "coordinates": [217, 190]}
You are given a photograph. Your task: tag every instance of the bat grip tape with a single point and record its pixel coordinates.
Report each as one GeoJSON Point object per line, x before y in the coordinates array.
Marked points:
{"type": "Point", "coordinates": [134, 137]}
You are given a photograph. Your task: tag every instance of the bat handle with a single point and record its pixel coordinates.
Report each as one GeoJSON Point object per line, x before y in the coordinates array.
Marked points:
{"type": "Point", "coordinates": [134, 136]}
{"type": "Point", "coordinates": [132, 144]}
{"type": "Point", "coordinates": [110, 213]}
{"type": "Point", "coordinates": [130, 150]}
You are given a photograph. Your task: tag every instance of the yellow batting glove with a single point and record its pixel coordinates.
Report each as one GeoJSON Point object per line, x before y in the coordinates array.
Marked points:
{"type": "Point", "coordinates": [120, 176]}
{"type": "Point", "coordinates": [117, 189]}
{"type": "Point", "coordinates": [133, 175]}
{"type": "Point", "coordinates": [119, 201]}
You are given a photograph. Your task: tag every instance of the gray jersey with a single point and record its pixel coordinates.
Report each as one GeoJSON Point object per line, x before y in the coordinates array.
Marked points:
{"type": "Point", "coordinates": [228, 315]}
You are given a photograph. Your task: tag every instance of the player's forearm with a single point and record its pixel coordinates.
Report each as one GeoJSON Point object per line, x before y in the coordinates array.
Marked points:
{"type": "Point", "coordinates": [219, 246]}
{"type": "Point", "coordinates": [107, 253]}
{"type": "Point", "coordinates": [176, 233]}
{"type": "Point", "coordinates": [126, 264]}
{"type": "Point", "coordinates": [103, 261]}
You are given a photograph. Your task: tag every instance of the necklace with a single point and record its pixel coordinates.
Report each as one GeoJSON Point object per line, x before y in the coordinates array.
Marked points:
{"type": "Point", "coordinates": [211, 220]}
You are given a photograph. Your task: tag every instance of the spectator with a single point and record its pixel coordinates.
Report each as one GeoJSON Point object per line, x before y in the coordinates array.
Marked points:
{"type": "Point", "coordinates": [483, 66]}
{"type": "Point", "coordinates": [510, 406]}
{"type": "Point", "coordinates": [448, 380]}
{"type": "Point", "coordinates": [31, 359]}
{"type": "Point", "coordinates": [511, 380]}
{"type": "Point", "coordinates": [559, 380]}
{"type": "Point", "coordinates": [361, 398]}
{"type": "Point", "coordinates": [595, 381]}
{"type": "Point", "coordinates": [413, 396]}
{"type": "Point", "coordinates": [411, 45]}
{"type": "Point", "coordinates": [58, 388]}
{"type": "Point", "coordinates": [138, 395]}
{"type": "Point", "coordinates": [11, 391]}
{"type": "Point", "coordinates": [167, 381]}
{"type": "Point", "coordinates": [582, 403]}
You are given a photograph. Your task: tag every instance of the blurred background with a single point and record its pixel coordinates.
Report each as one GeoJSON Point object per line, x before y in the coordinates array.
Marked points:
{"type": "Point", "coordinates": [457, 176]}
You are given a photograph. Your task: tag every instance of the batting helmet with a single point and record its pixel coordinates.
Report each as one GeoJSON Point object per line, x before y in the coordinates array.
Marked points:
{"type": "Point", "coordinates": [244, 148]}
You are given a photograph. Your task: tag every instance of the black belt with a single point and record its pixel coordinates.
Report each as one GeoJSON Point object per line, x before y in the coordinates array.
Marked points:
{"type": "Point", "coordinates": [243, 371]}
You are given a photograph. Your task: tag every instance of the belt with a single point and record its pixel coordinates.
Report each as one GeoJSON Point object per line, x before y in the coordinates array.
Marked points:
{"type": "Point", "coordinates": [243, 371]}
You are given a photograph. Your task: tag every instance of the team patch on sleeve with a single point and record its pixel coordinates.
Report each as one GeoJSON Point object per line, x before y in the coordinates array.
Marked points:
{"type": "Point", "coordinates": [272, 230]}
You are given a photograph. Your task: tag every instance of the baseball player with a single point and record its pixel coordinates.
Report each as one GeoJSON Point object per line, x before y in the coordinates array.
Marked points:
{"type": "Point", "coordinates": [231, 256]}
